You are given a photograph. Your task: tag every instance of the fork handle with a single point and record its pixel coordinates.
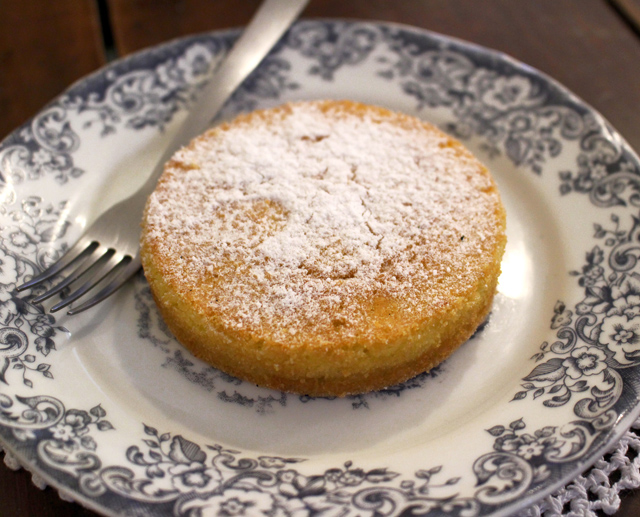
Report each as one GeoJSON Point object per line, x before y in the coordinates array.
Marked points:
{"type": "Point", "coordinates": [267, 26]}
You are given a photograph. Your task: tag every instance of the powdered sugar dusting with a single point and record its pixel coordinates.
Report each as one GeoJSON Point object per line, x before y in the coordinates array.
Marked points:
{"type": "Point", "coordinates": [291, 220]}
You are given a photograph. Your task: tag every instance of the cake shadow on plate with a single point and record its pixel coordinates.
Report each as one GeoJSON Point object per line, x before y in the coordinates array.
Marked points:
{"type": "Point", "coordinates": [233, 391]}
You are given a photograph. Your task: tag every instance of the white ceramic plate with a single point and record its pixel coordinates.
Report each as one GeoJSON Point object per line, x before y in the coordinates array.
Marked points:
{"type": "Point", "coordinates": [109, 409]}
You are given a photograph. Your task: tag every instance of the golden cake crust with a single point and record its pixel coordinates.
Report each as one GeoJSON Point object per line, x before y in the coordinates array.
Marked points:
{"type": "Point", "coordinates": [324, 248]}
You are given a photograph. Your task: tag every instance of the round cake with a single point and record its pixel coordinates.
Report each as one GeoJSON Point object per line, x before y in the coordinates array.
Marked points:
{"type": "Point", "coordinates": [324, 248]}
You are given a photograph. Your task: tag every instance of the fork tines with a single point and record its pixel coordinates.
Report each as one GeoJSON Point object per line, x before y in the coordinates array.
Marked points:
{"type": "Point", "coordinates": [90, 264]}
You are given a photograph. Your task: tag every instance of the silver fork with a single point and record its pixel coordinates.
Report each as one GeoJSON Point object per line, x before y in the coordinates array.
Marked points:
{"type": "Point", "coordinates": [108, 253]}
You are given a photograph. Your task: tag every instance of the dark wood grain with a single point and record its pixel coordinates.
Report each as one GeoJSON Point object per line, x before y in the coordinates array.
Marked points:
{"type": "Point", "coordinates": [19, 497]}
{"type": "Point", "coordinates": [630, 506]}
{"type": "Point", "coordinates": [139, 24]}
{"type": "Point", "coordinates": [44, 47]}
{"type": "Point", "coordinates": [585, 44]}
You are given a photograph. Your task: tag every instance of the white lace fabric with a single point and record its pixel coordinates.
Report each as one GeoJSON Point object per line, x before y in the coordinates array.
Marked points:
{"type": "Point", "coordinates": [594, 493]}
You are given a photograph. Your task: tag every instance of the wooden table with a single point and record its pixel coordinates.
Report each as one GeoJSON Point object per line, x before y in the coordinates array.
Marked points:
{"type": "Point", "coordinates": [591, 46]}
